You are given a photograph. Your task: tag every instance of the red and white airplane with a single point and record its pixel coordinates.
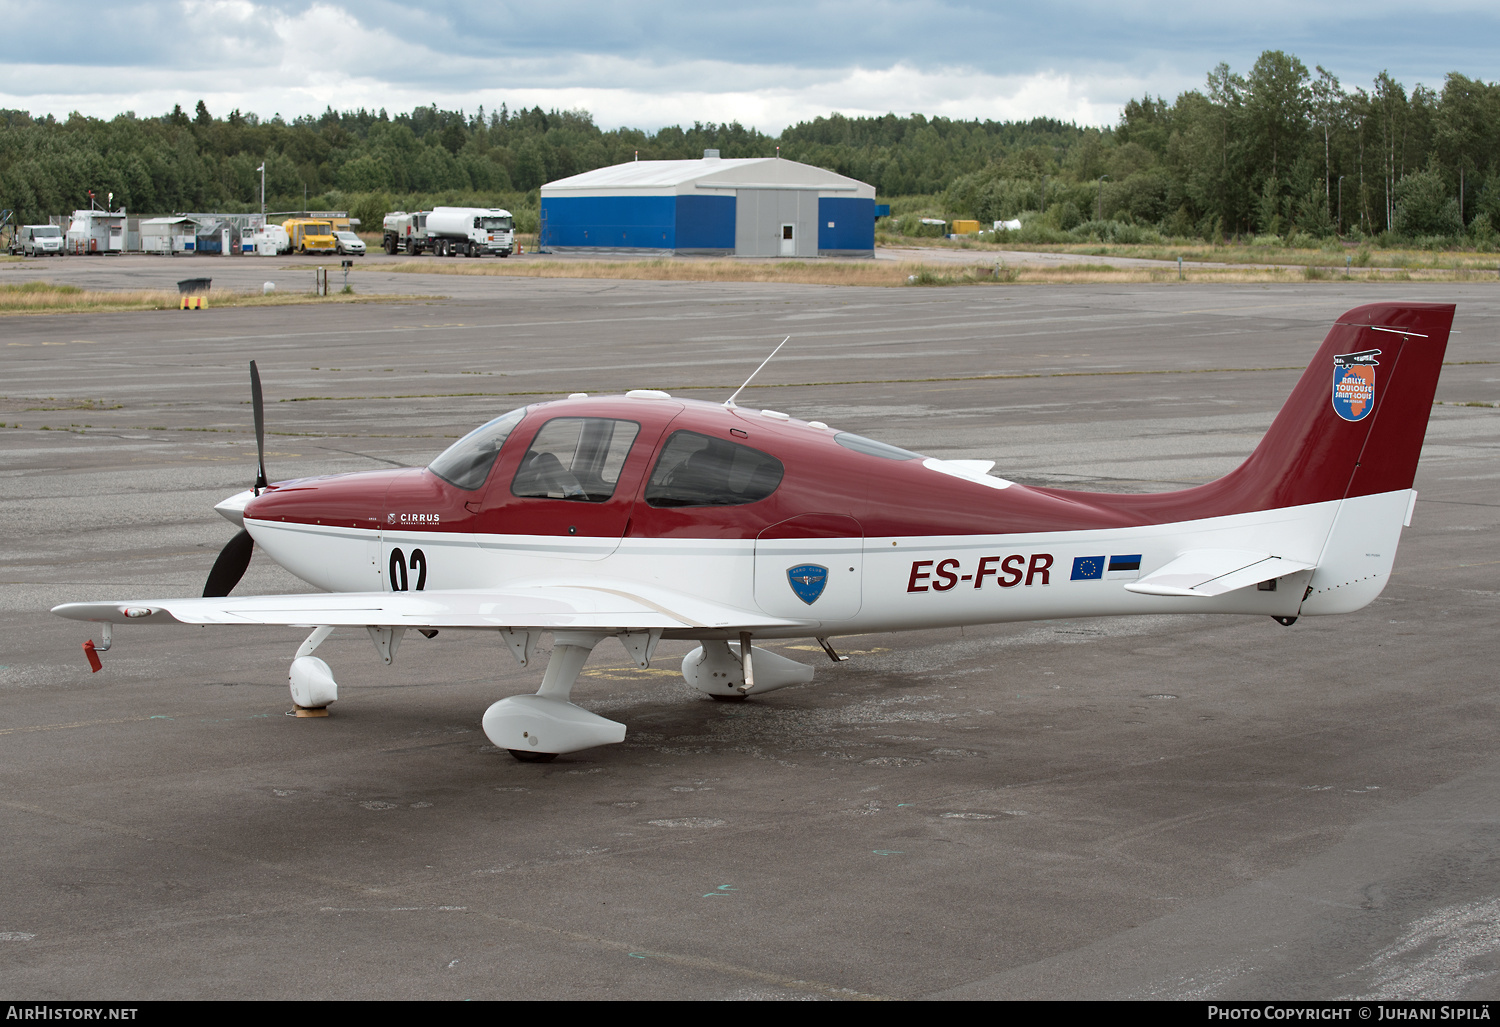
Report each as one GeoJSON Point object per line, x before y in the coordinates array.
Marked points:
{"type": "Point", "coordinates": [645, 517]}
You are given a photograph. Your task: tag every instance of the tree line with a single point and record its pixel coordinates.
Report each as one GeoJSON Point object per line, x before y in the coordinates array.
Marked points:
{"type": "Point", "coordinates": [1279, 150]}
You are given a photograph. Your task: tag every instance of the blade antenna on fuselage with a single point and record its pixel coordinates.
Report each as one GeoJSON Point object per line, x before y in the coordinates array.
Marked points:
{"type": "Point", "coordinates": [730, 401]}
{"type": "Point", "coordinates": [259, 407]}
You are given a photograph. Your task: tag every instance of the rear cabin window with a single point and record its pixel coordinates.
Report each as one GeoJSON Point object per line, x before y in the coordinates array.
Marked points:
{"type": "Point", "coordinates": [467, 462]}
{"type": "Point", "coordinates": [576, 458]}
{"type": "Point", "coordinates": [699, 470]}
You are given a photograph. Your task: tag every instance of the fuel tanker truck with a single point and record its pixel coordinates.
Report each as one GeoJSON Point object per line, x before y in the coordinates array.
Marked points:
{"type": "Point", "coordinates": [470, 232]}
{"type": "Point", "coordinates": [406, 233]}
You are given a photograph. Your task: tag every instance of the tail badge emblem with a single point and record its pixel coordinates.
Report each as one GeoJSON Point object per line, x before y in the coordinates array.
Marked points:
{"type": "Point", "coordinates": [1354, 384]}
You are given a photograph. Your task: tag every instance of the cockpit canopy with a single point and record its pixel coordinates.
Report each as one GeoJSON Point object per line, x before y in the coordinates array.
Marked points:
{"type": "Point", "coordinates": [581, 458]}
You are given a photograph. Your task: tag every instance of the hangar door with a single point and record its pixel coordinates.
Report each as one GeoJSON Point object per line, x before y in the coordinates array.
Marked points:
{"type": "Point", "coordinates": [776, 222]}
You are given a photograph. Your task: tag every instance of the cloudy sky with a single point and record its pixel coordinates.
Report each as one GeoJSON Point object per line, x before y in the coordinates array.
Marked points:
{"type": "Point", "coordinates": [648, 64]}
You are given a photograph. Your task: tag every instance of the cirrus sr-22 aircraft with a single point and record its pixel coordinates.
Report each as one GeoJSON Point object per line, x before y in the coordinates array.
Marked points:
{"type": "Point", "coordinates": [645, 517]}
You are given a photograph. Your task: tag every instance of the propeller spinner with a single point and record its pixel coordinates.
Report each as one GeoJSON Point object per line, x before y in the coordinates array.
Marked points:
{"type": "Point", "coordinates": [234, 558]}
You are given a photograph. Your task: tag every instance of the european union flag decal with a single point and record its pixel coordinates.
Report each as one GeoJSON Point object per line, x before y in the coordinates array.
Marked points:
{"type": "Point", "coordinates": [1088, 568]}
{"type": "Point", "coordinates": [808, 581]}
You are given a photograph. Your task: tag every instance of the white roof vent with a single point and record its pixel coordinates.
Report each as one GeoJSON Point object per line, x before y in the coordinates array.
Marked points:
{"type": "Point", "coordinates": [710, 154]}
{"type": "Point", "coordinates": [818, 425]}
{"type": "Point", "coordinates": [578, 395]}
{"type": "Point", "coordinates": [776, 415]}
{"type": "Point", "coordinates": [647, 394]}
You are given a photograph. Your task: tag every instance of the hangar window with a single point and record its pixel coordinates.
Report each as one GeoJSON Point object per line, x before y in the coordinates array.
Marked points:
{"type": "Point", "coordinates": [467, 462]}
{"type": "Point", "coordinates": [870, 447]}
{"type": "Point", "coordinates": [699, 470]}
{"type": "Point", "coordinates": [576, 458]}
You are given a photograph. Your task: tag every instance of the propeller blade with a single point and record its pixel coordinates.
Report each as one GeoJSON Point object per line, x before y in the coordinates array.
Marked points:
{"type": "Point", "coordinates": [230, 567]}
{"type": "Point", "coordinates": [259, 406]}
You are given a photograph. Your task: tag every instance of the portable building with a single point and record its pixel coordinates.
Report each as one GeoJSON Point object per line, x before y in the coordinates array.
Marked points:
{"type": "Point", "coordinates": [96, 231]}
{"type": "Point", "coordinates": [748, 207]}
{"type": "Point", "coordinates": [168, 235]}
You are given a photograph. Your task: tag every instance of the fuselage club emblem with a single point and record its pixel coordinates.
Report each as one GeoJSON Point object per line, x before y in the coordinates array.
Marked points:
{"type": "Point", "coordinates": [1354, 384]}
{"type": "Point", "coordinates": [808, 581]}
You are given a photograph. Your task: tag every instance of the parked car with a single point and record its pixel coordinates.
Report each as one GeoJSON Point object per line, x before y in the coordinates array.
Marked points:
{"type": "Point", "coordinates": [38, 241]}
{"type": "Point", "coordinates": [349, 244]}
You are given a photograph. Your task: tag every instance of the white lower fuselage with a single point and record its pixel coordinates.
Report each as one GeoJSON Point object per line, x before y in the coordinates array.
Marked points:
{"type": "Point", "coordinates": [885, 584]}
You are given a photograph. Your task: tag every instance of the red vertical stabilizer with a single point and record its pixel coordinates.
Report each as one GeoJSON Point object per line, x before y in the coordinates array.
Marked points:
{"type": "Point", "coordinates": [1353, 426]}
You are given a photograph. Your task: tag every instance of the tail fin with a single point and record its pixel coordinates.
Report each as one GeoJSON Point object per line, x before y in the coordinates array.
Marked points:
{"type": "Point", "coordinates": [1354, 424]}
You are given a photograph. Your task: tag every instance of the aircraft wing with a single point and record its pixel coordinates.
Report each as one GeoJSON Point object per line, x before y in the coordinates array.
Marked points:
{"type": "Point", "coordinates": [543, 607]}
{"type": "Point", "coordinates": [1212, 572]}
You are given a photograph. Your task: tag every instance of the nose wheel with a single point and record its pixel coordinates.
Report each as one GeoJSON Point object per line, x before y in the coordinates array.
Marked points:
{"type": "Point", "coordinates": [532, 757]}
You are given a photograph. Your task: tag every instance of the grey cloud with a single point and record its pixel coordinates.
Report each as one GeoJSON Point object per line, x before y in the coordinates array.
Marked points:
{"type": "Point", "coordinates": [140, 34]}
{"type": "Point", "coordinates": [996, 38]}
{"type": "Point", "coordinates": [678, 46]}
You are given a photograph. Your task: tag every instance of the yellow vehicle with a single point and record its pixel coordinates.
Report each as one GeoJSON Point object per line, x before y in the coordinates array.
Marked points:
{"type": "Point", "coordinates": [310, 235]}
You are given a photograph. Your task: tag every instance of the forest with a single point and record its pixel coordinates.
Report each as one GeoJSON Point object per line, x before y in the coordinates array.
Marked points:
{"type": "Point", "coordinates": [1278, 150]}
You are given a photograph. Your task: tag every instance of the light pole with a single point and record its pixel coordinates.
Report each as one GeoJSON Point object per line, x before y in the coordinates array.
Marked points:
{"type": "Point", "coordinates": [1341, 205]}
{"type": "Point", "coordinates": [262, 170]}
{"type": "Point", "coordinates": [1099, 200]}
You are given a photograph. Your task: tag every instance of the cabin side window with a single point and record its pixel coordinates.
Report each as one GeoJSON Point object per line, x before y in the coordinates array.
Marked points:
{"type": "Point", "coordinates": [699, 470]}
{"type": "Point", "coordinates": [467, 462]}
{"type": "Point", "coordinates": [576, 458]}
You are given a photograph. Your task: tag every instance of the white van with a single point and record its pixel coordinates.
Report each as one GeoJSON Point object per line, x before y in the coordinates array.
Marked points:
{"type": "Point", "coordinates": [38, 241]}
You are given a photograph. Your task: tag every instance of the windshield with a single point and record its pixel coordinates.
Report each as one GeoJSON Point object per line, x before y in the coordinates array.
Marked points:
{"type": "Point", "coordinates": [467, 462]}
{"type": "Point", "coordinates": [496, 224]}
{"type": "Point", "coordinates": [318, 228]}
{"type": "Point", "coordinates": [48, 232]}
{"type": "Point", "coordinates": [347, 236]}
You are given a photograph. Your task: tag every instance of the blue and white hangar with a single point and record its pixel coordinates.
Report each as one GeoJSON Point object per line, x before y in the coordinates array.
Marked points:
{"type": "Point", "coordinates": [747, 207]}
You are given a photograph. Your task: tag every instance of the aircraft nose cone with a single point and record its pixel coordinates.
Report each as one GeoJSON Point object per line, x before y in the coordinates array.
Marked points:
{"type": "Point", "coordinates": [233, 508]}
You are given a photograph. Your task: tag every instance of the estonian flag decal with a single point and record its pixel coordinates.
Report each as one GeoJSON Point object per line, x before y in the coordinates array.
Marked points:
{"type": "Point", "coordinates": [1125, 567]}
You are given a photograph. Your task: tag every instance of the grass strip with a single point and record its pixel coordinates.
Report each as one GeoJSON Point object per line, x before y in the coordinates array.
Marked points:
{"type": "Point", "coordinates": [891, 274]}
{"type": "Point", "coordinates": [1330, 258]}
{"type": "Point", "coordinates": [51, 298]}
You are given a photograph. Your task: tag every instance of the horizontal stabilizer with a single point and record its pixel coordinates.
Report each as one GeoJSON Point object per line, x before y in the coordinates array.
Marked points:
{"type": "Point", "coordinates": [544, 607]}
{"type": "Point", "coordinates": [977, 471]}
{"type": "Point", "coordinates": [1212, 572]}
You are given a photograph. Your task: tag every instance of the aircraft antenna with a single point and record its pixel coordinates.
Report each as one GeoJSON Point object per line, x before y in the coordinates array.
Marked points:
{"type": "Point", "coordinates": [730, 401]}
